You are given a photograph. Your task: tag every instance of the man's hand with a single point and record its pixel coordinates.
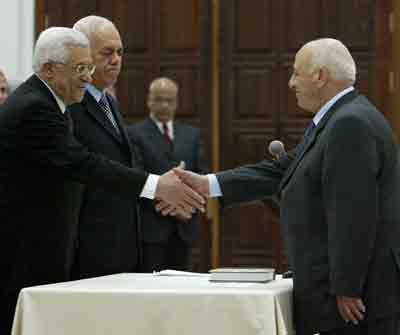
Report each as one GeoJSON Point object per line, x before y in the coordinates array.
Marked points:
{"type": "Point", "coordinates": [167, 209]}
{"type": "Point", "coordinates": [172, 191]}
{"type": "Point", "coordinates": [350, 308]}
{"type": "Point", "coordinates": [197, 182]}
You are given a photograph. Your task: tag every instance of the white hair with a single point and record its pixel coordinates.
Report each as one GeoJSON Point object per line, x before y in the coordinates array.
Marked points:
{"type": "Point", "coordinates": [333, 55]}
{"type": "Point", "coordinates": [53, 46]}
{"type": "Point", "coordinates": [89, 25]}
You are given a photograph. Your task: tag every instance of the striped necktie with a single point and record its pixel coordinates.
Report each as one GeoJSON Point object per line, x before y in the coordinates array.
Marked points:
{"type": "Point", "coordinates": [107, 110]}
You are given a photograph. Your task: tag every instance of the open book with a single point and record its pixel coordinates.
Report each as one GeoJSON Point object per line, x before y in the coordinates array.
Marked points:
{"type": "Point", "coordinates": [255, 275]}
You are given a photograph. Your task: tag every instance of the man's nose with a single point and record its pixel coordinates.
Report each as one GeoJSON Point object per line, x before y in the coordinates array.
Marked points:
{"type": "Point", "coordinates": [291, 82]}
{"type": "Point", "coordinates": [87, 78]}
{"type": "Point", "coordinates": [115, 58]}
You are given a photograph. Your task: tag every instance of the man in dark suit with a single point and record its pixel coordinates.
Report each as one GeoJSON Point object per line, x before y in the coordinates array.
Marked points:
{"type": "Point", "coordinates": [108, 223]}
{"type": "Point", "coordinates": [340, 190]}
{"type": "Point", "coordinates": [163, 143]}
{"type": "Point", "coordinates": [43, 166]}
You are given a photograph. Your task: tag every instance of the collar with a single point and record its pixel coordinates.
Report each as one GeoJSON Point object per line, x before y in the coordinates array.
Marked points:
{"type": "Point", "coordinates": [94, 92]}
{"type": "Point", "coordinates": [325, 108]}
{"type": "Point", "coordinates": [61, 104]}
{"type": "Point", "coordinates": [159, 125]}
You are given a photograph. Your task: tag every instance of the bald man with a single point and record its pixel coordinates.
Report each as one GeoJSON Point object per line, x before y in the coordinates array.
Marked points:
{"type": "Point", "coordinates": [163, 143]}
{"type": "Point", "coordinates": [340, 190]}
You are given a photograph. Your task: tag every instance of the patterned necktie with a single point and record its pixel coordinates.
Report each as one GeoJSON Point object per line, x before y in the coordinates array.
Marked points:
{"type": "Point", "coordinates": [107, 110]}
{"type": "Point", "coordinates": [166, 133]}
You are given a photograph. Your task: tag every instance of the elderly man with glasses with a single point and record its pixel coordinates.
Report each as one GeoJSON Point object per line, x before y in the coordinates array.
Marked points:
{"type": "Point", "coordinates": [43, 169]}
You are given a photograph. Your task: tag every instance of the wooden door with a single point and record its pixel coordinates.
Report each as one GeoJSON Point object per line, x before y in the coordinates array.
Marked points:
{"type": "Point", "coordinates": [160, 38]}
{"type": "Point", "coordinates": [259, 44]}
{"type": "Point", "coordinates": [257, 41]}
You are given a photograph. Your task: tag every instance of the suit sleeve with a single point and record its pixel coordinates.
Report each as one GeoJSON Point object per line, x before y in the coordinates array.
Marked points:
{"type": "Point", "coordinates": [350, 194]}
{"type": "Point", "coordinates": [251, 182]}
{"type": "Point", "coordinates": [49, 143]}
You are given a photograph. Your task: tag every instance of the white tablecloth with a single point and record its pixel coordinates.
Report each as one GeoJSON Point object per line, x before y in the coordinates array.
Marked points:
{"type": "Point", "coordinates": [146, 304]}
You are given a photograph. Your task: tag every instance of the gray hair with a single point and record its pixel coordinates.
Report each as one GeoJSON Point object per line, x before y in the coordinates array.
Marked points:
{"type": "Point", "coordinates": [53, 45]}
{"type": "Point", "coordinates": [333, 55]}
{"type": "Point", "coordinates": [89, 25]}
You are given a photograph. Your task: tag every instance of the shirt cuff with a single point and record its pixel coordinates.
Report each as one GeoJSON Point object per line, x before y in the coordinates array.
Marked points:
{"type": "Point", "coordinates": [149, 188]}
{"type": "Point", "coordinates": [215, 188]}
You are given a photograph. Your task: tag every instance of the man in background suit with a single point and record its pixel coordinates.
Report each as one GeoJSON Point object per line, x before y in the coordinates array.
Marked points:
{"type": "Point", "coordinates": [108, 224]}
{"type": "Point", "coordinates": [4, 87]}
{"type": "Point", "coordinates": [340, 193]}
{"type": "Point", "coordinates": [163, 143]}
{"type": "Point", "coordinates": [43, 166]}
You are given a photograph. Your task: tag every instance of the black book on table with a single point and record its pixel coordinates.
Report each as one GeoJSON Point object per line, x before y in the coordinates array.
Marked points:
{"type": "Point", "coordinates": [252, 275]}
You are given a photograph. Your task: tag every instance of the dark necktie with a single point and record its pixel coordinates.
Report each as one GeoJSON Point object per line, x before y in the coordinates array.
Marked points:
{"type": "Point", "coordinates": [306, 137]}
{"type": "Point", "coordinates": [107, 110]}
{"type": "Point", "coordinates": [309, 131]}
{"type": "Point", "coordinates": [166, 133]}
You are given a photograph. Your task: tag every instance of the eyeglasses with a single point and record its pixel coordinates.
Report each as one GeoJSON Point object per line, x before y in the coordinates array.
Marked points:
{"type": "Point", "coordinates": [83, 69]}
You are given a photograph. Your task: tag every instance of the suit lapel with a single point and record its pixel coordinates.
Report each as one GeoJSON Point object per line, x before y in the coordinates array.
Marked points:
{"type": "Point", "coordinates": [97, 113]}
{"type": "Point", "coordinates": [321, 125]}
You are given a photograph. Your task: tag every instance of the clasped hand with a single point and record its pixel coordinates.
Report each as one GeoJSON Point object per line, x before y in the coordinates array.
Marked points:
{"type": "Point", "coordinates": [180, 193]}
{"type": "Point", "coordinates": [350, 308]}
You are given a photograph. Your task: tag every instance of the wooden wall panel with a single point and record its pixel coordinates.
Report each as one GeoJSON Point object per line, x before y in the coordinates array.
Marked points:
{"type": "Point", "coordinates": [254, 93]}
{"type": "Point", "coordinates": [180, 27]}
{"type": "Point", "coordinates": [350, 21]}
{"type": "Point", "coordinates": [132, 89]}
{"type": "Point", "coordinates": [302, 23]}
{"type": "Point", "coordinates": [133, 19]}
{"type": "Point", "coordinates": [259, 46]}
{"type": "Point", "coordinates": [248, 31]}
{"type": "Point", "coordinates": [258, 40]}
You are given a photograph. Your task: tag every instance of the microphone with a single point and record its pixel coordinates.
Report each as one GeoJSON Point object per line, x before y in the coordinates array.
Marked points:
{"type": "Point", "coordinates": [276, 149]}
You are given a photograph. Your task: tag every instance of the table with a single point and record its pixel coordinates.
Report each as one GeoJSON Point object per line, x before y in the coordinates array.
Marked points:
{"type": "Point", "coordinates": [148, 304]}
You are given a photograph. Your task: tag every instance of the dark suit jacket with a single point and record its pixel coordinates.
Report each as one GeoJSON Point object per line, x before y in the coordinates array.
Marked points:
{"type": "Point", "coordinates": [339, 213]}
{"type": "Point", "coordinates": [108, 225]}
{"type": "Point", "coordinates": [41, 167]}
{"type": "Point", "coordinates": [159, 158]}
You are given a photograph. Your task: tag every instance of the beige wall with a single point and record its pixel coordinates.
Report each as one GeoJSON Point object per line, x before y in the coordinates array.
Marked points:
{"type": "Point", "coordinates": [16, 38]}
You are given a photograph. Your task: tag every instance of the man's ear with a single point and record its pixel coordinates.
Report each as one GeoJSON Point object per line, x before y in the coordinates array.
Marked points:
{"type": "Point", "coordinates": [322, 77]}
{"type": "Point", "coordinates": [48, 70]}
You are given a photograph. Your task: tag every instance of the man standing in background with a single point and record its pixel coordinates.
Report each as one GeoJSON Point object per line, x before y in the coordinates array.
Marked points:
{"type": "Point", "coordinates": [163, 144]}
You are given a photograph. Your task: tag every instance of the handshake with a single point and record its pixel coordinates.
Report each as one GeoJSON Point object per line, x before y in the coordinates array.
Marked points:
{"type": "Point", "coordinates": [180, 193]}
